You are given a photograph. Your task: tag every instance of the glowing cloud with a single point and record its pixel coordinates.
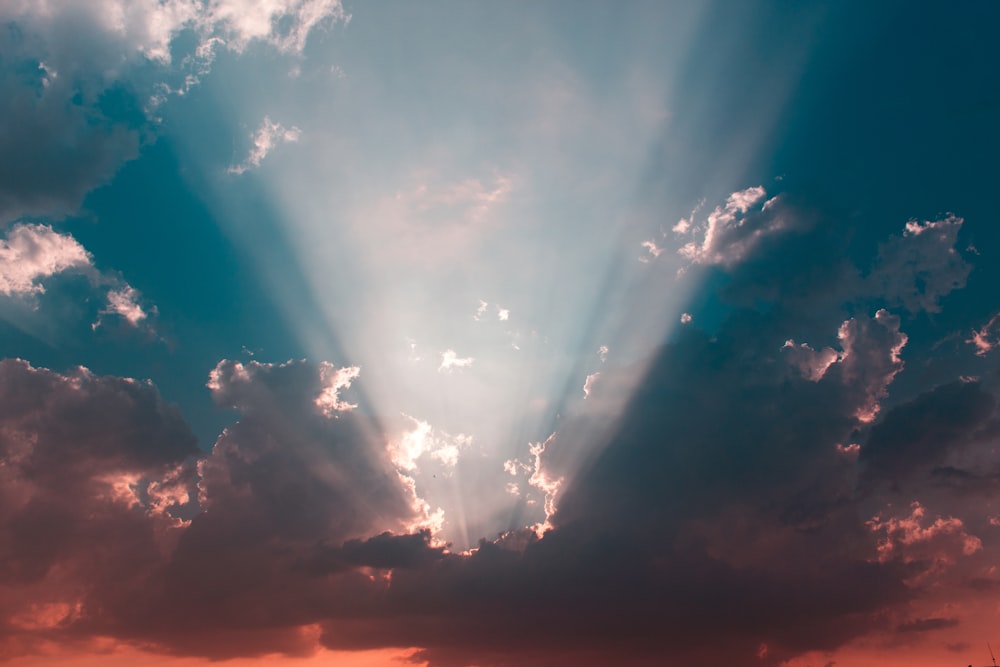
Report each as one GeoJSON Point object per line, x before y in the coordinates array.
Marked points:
{"type": "Point", "coordinates": [267, 137]}
{"type": "Point", "coordinates": [32, 253]}
{"type": "Point", "coordinates": [450, 360]}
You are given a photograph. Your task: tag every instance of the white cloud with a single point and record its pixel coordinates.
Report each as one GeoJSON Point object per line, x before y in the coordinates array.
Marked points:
{"type": "Point", "coordinates": [540, 479]}
{"type": "Point", "coordinates": [652, 249]}
{"type": "Point", "coordinates": [602, 353]}
{"type": "Point", "coordinates": [422, 439]}
{"type": "Point", "coordinates": [685, 318]}
{"type": "Point", "coordinates": [588, 384]}
{"type": "Point", "coordinates": [449, 360]}
{"type": "Point", "coordinates": [265, 139]}
{"type": "Point", "coordinates": [743, 200]}
{"type": "Point", "coordinates": [32, 253]}
{"type": "Point", "coordinates": [123, 302]}
{"type": "Point", "coordinates": [503, 314]}
{"type": "Point", "coordinates": [732, 230]}
{"type": "Point", "coordinates": [480, 310]}
{"type": "Point", "coordinates": [147, 27]}
{"type": "Point", "coordinates": [68, 54]}
{"type": "Point", "coordinates": [334, 379]}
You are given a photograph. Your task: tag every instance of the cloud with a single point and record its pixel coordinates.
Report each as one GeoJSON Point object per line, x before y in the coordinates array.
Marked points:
{"type": "Point", "coordinates": [124, 304]}
{"type": "Point", "coordinates": [928, 624]}
{"type": "Point", "coordinates": [731, 231]}
{"type": "Point", "coordinates": [268, 136]}
{"type": "Point", "coordinates": [720, 512]}
{"type": "Point", "coordinates": [450, 360]}
{"type": "Point", "coordinates": [82, 79]}
{"type": "Point", "coordinates": [871, 358]}
{"type": "Point", "coordinates": [422, 439]}
{"type": "Point", "coordinates": [922, 433]}
{"type": "Point", "coordinates": [480, 310]}
{"type": "Point", "coordinates": [934, 545]}
{"type": "Point", "coordinates": [919, 268]}
{"type": "Point", "coordinates": [812, 364]}
{"type": "Point", "coordinates": [94, 482]}
{"type": "Point", "coordinates": [986, 337]}
{"type": "Point", "coordinates": [32, 253]}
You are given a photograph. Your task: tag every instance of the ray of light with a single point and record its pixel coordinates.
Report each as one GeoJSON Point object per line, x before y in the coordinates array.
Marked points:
{"type": "Point", "coordinates": [480, 280]}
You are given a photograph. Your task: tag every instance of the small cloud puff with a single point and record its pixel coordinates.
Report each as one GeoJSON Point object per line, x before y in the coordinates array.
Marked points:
{"type": "Point", "coordinates": [732, 230]}
{"type": "Point", "coordinates": [268, 136]}
{"type": "Point", "coordinates": [986, 337]}
{"type": "Point", "coordinates": [32, 254]}
{"type": "Point", "coordinates": [450, 360]}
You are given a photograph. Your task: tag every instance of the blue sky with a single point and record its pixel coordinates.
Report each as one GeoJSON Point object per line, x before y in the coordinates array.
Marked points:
{"type": "Point", "coordinates": [440, 293]}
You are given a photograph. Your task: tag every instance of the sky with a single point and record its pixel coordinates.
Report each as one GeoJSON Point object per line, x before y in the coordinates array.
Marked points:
{"type": "Point", "coordinates": [468, 334]}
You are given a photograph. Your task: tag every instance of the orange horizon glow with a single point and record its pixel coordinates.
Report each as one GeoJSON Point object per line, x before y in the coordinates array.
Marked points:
{"type": "Point", "coordinates": [120, 655]}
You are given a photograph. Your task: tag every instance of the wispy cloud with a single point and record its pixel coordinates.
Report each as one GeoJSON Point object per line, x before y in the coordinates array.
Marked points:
{"type": "Point", "coordinates": [451, 360]}
{"type": "Point", "coordinates": [268, 136]}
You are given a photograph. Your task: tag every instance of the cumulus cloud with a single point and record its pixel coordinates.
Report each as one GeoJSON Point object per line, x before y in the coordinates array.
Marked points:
{"type": "Point", "coordinates": [334, 380]}
{"type": "Point", "coordinates": [95, 481]}
{"type": "Point", "coordinates": [731, 231]}
{"type": "Point", "coordinates": [266, 138]}
{"type": "Point", "coordinates": [422, 439]}
{"type": "Point", "coordinates": [722, 512]}
{"type": "Point", "coordinates": [32, 253]}
{"type": "Point", "coordinates": [81, 79]}
{"type": "Point", "coordinates": [813, 364]}
{"type": "Point", "coordinates": [871, 358]}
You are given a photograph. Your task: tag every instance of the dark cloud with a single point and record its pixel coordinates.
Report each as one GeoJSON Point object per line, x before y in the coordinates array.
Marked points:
{"type": "Point", "coordinates": [921, 433]}
{"type": "Point", "coordinates": [93, 474]}
{"type": "Point", "coordinates": [928, 624]}
{"type": "Point", "coordinates": [725, 515]}
{"type": "Point", "coordinates": [64, 127]}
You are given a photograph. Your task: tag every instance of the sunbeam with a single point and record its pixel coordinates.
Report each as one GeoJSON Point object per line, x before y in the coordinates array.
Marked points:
{"type": "Point", "coordinates": [497, 334]}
